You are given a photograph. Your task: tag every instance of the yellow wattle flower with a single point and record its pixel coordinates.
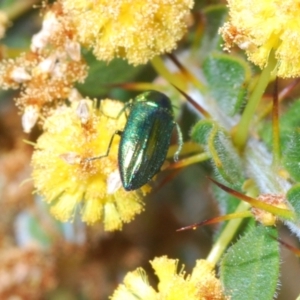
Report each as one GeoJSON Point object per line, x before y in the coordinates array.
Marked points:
{"type": "Point", "coordinates": [173, 285]}
{"type": "Point", "coordinates": [136, 30]}
{"type": "Point", "coordinates": [69, 181]}
{"type": "Point", "coordinates": [262, 26]}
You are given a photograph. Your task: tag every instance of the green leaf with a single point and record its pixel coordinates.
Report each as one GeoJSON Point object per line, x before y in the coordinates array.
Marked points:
{"type": "Point", "coordinates": [293, 197]}
{"type": "Point", "coordinates": [226, 78]}
{"type": "Point", "coordinates": [201, 131]}
{"type": "Point", "coordinates": [223, 154]}
{"type": "Point", "coordinates": [227, 205]}
{"type": "Point", "coordinates": [290, 139]}
{"type": "Point", "coordinates": [250, 268]}
{"type": "Point", "coordinates": [214, 18]}
{"type": "Point", "coordinates": [227, 202]}
{"type": "Point", "coordinates": [231, 166]}
{"type": "Point", "coordinates": [102, 75]}
{"type": "Point", "coordinates": [288, 122]}
{"type": "Point", "coordinates": [291, 156]}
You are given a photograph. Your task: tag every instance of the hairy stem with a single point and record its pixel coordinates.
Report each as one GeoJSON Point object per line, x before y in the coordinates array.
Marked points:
{"type": "Point", "coordinates": [226, 236]}
{"type": "Point", "coordinates": [241, 134]}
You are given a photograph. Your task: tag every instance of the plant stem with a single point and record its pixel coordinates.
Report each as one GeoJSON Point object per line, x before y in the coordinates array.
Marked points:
{"type": "Point", "coordinates": [275, 127]}
{"type": "Point", "coordinates": [190, 160]}
{"type": "Point", "coordinates": [226, 236]}
{"type": "Point", "coordinates": [19, 8]}
{"type": "Point", "coordinates": [241, 134]}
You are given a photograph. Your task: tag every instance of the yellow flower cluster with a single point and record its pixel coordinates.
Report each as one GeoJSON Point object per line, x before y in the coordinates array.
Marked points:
{"type": "Point", "coordinates": [201, 284]}
{"type": "Point", "coordinates": [136, 30]}
{"type": "Point", "coordinates": [262, 26]}
{"type": "Point", "coordinates": [45, 74]}
{"type": "Point", "coordinates": [68, 179]}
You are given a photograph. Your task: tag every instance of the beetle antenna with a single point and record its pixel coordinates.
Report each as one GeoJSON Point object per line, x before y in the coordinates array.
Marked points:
{"type": "Point", "coordinates": [124, 109]}
{"type": "Point", "coordinates": [180, 142]}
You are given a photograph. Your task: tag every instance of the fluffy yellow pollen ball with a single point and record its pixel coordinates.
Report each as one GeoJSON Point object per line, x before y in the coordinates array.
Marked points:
{"type": "Point", "coordinates": [173, 284]}
{"type": "Point", "coordinates": [69, 180]}
{"type": "Point", "coordinates": [136, 30]}
{"type": "Point", "coordinates": [262, 26]}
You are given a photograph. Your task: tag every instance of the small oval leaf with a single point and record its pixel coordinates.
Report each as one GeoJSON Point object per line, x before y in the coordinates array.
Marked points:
{"type": "Point", "coordinates": [291, 156]}
{"type": "Point", "coordinates": [293, 197]}
{"type": "Point", "coordinates": [250, 268]}
{"type": "Point", "coordinates": [226, 78]}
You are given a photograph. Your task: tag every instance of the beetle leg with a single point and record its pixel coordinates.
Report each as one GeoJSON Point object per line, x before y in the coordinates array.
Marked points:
{"type": "Point", "coordinates": [124, 109]}
{"type": "Point", "coordinates": [118, 132]}
{"type": "Point", "coordinates": [180, 142]}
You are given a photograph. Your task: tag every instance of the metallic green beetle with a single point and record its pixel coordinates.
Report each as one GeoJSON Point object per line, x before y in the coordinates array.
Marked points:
{"type": "Point", "coordinates": [146, 138]}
